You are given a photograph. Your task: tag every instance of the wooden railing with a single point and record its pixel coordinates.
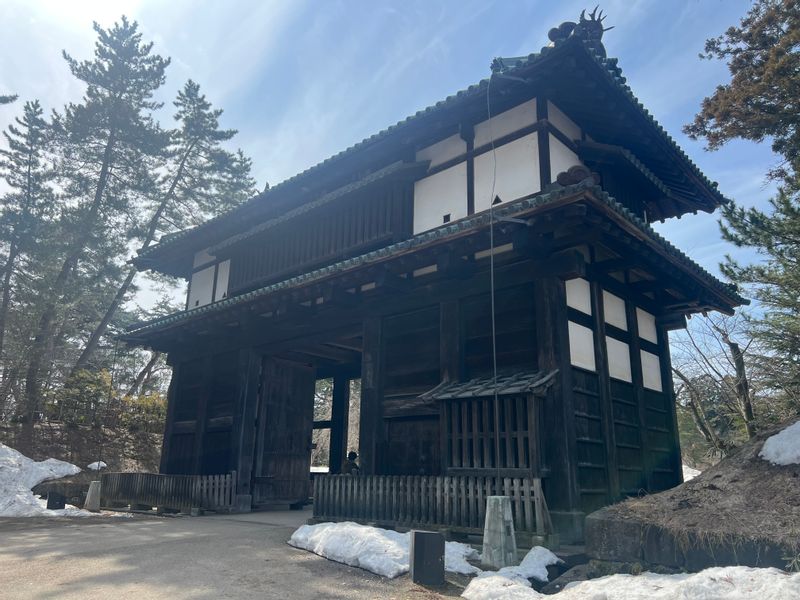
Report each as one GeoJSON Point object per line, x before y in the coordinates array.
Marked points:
{"type": "Point", "coordinates": [179, 492]}
{"type": "Point", "coordinates": [452, 502]}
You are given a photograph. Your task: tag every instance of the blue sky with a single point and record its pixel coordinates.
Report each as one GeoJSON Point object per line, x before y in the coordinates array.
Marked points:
{"type": "Point", "coordinates": [303, 80]}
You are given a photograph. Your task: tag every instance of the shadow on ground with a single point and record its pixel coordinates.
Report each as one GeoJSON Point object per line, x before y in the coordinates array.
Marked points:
{"type": "Point", "coordinates": [238, 556]}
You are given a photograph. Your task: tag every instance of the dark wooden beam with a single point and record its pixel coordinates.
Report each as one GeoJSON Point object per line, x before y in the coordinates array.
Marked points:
{"type": "Point", "coordinates": [372, 427]}
{"type": "Point", "coordinates": [340, 411]}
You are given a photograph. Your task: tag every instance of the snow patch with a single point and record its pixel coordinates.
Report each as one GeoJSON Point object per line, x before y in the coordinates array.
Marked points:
{"type": "Point", "coordinates": [380, 551]}
{"type": "Point", "coordinates": [491, 586]}
{"type": "Point", "coordinates": [18, 474]}
{"type": "Point", "coordinates": [689, 473]}
{"type": "Point", "coordinates": [718, 583]}
{"type": "Point", "coordinates": [783, 448]}
{"type": "Point", "coordinates": [533, 566]}
{"type": "Point", "coordinates": [97, 465]}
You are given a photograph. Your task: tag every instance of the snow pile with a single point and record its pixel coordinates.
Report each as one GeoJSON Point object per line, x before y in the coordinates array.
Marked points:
{"type": "Point", "coordinates": [97, 465]}
{"type": "Point", "coordinates": [496, 587]}
{"type": "Point", "coordinates": [689, 473]}
{"type": "Point", "coordinates": [533, 566]}
{"type": "Point", "coordinates": [718, 583]}
{"type": "Point", "coordinates": [783, 448]}
{"type": "Point", "coordinates": [377, 550]}
{"type": "Point", "coordinates": [18, 474]}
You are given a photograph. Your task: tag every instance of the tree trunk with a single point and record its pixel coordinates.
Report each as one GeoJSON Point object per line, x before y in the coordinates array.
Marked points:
{"type": "Point", "coordinates": [102, 326]}
{"type": "Point", "coordinates": [742, 388]}
{"type": "Point", "coordinates": [45, 329]}
{"type": "Point", "coordinates": [9, 268]}
{"type": "Point", "coordinates": [144, 373]}
{"type": "Point", "coordinates": [698, 415]}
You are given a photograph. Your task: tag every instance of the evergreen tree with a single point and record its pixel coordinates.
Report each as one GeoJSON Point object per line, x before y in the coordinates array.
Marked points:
{"type": "Point", "coordinates": [760, 102]}
{"type": "Point", "coordinates": [106, 143]}
{"type": "Point", "coordinates": [26, 170]}
{"type": "Point", "coordinates": [762, 99]}
{"type": "Point", "coordinates": [202, 180]}
{"type": "Point", "coordinates": [7, 99]}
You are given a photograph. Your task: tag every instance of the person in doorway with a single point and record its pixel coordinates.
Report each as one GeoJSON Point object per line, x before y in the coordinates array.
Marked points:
{"type": "Point", "coordinates": [350, 466]}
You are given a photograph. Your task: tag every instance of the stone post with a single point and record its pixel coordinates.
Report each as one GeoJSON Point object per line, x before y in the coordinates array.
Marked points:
{"type": "Point", "coordinates": [499, 541]}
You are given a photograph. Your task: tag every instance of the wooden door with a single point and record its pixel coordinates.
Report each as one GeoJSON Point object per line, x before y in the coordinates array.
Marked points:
{"type": "Point", "coordinates": [285, 422]}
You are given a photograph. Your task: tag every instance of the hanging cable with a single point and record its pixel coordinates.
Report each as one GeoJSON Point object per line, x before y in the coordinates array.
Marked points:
{"type": "Point", "coordinates": [495, 398]}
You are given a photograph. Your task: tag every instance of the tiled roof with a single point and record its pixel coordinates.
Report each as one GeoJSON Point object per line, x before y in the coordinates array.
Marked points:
{"type": "Point", "coordinates": [608, 65]}
{"type": "Point", "coordinates": [555, 193]}
{"type": "Point", "coordinates": [506, 384]}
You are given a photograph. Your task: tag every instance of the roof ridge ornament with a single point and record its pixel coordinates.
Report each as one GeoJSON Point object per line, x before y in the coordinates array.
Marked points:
{"type": "Point", "coordinates": [589, 31]}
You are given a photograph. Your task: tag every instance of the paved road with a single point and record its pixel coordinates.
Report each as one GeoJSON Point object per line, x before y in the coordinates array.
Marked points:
{"type": "Point", "coordinates": [238, 556]}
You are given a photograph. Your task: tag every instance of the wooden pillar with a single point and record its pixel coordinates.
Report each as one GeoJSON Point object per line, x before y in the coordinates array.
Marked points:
{"type": "Point", "coordinates": [606, 407]}
{"type": "Point", "coordinates": [638, 389]}
{"type": "Point", "coordinates": [200, 415]}
{"type": "Point", "coordinates": [558, 423]}
{"type": "Point", "coordinates": [676, 461]}
{"type": "Point", "coordinates": [543, 139]}
{"type": "Point", "coordinates": [450, 347]}
{"type": "Point", "coordinates": [340, 411]}
{"type": "Point", "coordinates": [164, 466]}
{"type": "Point", "coordinates": [372, 429]}
{"type": "Point", "coordinates": [243, 435]}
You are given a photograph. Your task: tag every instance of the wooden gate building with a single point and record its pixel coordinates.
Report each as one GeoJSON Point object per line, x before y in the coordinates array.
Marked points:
{"type": "Point", "coordinates": [378, 264]}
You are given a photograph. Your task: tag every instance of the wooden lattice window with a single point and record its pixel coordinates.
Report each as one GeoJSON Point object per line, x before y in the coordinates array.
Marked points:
{"type": "Point", "coordinates": [469, 434]}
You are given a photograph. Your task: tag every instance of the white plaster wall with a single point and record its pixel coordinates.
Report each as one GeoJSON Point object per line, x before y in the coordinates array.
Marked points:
{"type": "Point", "coordinates": [561, 157]}
{"type": "Point", "coordinates": [504, 123]}
{"type": "Point", "coordinates": [201, 287]}
{"type": "Point", "coordinates": [438, 195]}
{"type": "Point", "coordinates": [562, 122]}
{"type": "Point", "coordinates": [619, 359]}
{"type": "Point", "coordinates": [614, 310]}
{"type": "Point", "coordinates": [517, 172]}
{"type": "Point", "coordinates": [651, 371]}
{"type": "Point", "coordinates": [581, 346]}
{"type": "Point", "coordinates": [202, 258]}
{"type": "Point", "coordinates": [223, 271]}
{"type": "Point", "coordinates": [579, 295]}
{"type": "Point", "coordinates": [441, 152]}
{"type": "Point", "coordinates": [647, 325]}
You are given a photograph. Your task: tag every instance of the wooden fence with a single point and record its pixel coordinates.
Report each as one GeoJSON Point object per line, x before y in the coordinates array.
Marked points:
{"type": "Point", "coordinates": [179, 492]}
{"type": "Point", "coordinates": [453, 502]}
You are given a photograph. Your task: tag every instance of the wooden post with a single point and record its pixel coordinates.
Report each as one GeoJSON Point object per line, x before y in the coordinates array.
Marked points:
{"type": "Point", "coordinates": [676, 462]}
{"type": "Point", "coordinates": [638, 390]}
{"type": "Point", "coordinates": [606, 406]}
{"type": "Point", "coordinates": [558, 426]}
{"type": "Point", "coordinates": [340, 410]}
{"type": "Point", "coordinates": [372, 429]}
{"type": "Point", "coordinates": [164, 466]}
{"type": "Point", "coordinates": [243, 436]}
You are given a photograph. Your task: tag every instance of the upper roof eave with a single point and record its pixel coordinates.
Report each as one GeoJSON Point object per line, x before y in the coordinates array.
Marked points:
{"type": "Point", "coordinates": [608, 66]}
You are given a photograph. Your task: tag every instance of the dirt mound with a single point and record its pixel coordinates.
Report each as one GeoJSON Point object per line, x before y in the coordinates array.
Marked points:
{"type": "Point", "coordinates": [742, 497]}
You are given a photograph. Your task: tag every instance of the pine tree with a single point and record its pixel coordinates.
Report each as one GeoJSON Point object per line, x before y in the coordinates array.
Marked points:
{"type": "Point", "coordinates": [761, 102]}
{"type": "Point", "coordinates": [7, 99]}
{"type": "Point", "coordinates": [105, 143]}
{"type": "Point", "coordinates": [762, 99]}
{"type": "Point", "coordinates": [203, 179]}
{"type": "Point", "coordinates": [26, 170]}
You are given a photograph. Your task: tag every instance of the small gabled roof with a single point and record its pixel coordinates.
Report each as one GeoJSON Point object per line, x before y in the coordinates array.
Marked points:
{"type": "Point", "coordinates": [665, 159]}
{"type": "Point", "coordinates": [511, 383]}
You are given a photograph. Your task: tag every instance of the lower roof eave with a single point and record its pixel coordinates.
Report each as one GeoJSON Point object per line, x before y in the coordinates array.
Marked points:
{"type": "Point", "coordinates": [723, 298]}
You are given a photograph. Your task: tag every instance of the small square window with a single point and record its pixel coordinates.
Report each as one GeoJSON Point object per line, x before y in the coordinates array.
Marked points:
{"type": "Point", "coordinates": [446, 218]}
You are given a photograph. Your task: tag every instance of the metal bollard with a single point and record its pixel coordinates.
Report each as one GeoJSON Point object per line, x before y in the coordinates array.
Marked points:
{"type": "Point", "coordinates": [427, 557]}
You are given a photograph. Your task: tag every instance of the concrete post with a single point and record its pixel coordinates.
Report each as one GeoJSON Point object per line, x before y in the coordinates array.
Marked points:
{"type": "Point", "coordinates": [93, 497]}
{"type": "Point", "coordinates": [499, 541]}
